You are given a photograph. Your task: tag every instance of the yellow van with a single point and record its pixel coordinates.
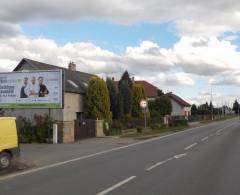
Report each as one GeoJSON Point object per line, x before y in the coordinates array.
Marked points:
{"type": "Point", "coordinates": [9, 147]}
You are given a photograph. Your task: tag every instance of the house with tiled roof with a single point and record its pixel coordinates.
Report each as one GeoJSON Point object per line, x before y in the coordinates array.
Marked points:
{"type": "Point", "coordinates": [179, 106]}
{"type": "Point", "coordinates": [150, 90]}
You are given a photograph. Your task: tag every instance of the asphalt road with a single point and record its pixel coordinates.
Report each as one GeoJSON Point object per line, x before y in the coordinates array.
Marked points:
{"type": "Point", "coordinates": [200, 161]}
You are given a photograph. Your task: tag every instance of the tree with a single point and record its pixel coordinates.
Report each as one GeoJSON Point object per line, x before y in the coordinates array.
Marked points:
{"type": "Point", "coordinates": [194, 109]}
{"type": "Point", "coordinates": [125, 79]}
{"type": "Point", "coordinates": [160, 107]}
{"type": "Point", "coordinates": [97, 99]}
{"type": "Point", "coordinates": [236, 107]}
{"type": "Point", "coordinates": [160, 92]}
{"type": "Point", "coordinates": [119, 109]}
{"type": "Point", "coordinates": [126, 95]}
{"type": "Point", "coordinates": [138, 95]}
{"type": "Point", "coordinates": [113, 97]}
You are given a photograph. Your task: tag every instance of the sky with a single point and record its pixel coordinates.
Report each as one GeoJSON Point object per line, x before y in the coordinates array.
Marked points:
{"type": "Point", "coordinates": [187, 47]}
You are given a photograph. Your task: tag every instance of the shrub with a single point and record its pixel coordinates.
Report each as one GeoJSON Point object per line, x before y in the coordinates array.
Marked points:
{"type": "Point", "coordinates": [179, 122]}
{"type": "Point", "coordinates": [37, 132]}
{"type": "Point", "coordinates": [156, 126]}
{"type": "Point", "coordinates": [139, 129]}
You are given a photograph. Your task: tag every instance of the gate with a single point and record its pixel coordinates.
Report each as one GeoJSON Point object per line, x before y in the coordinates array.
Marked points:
{"type": "Point", "coordinates": [85, 128]}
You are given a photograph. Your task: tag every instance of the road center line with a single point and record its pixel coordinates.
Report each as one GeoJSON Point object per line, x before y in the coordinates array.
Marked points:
{"type": "Point", "coordinates": [158, 164]}
{"type": "Point", "coordinates": [116, 185]}
{"type": "Point", "coordinates": [204, 139]}
{"type": "Point", "coordinates": [178, 156]}
{"type": "Point", "coordinates": [191, 146]}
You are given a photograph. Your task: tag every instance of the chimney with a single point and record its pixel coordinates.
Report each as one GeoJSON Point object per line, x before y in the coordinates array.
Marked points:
{"type": "Point", "coordinates": [72, 66]}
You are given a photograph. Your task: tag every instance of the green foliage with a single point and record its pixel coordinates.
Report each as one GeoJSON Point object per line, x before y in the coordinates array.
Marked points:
{"type": "Point", "coordinates": [127, 97]}
{"type": "Point", "coordinates": [160, 92]}
{"type": "Point", "coordinates": [194, 109]}
{"type": "Point", "coordinates": [138, 95]}
{"type": "Point", "coordinates": [97, 99]}
{"type": "Point", "coordinates": [1, 112]}
{"type": "Point", "coordinates": [161, 106]}
{"type": "Point", "coordinates": [204, 109]}
{"type": "Point", "coordinates": [119, 109]}
{"type": "Point", "coordinates": [179, 122]}
{"type": "Point", "coordinates": [236, 107]}
{"type": "Point", "coordinates": [39, 131]}
{"type": "Point", "coordinates": [125, 79]}
{"type": "Point", "coordinates": [113, 98]}
{"type": "Point", "coordinates": [156, 126]}
{"type": "Point", "coordinates": [139, 129]}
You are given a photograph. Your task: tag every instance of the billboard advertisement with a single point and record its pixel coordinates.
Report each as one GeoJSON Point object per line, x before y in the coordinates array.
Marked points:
{"type": "Point", "coordinates": [34, 89]}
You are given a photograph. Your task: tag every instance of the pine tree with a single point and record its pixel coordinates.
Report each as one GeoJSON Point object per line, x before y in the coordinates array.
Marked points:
{"type": "Point", "coordinates": [126, 95]}
{"type": "Point", "coordinates": [236, 107]}
{"type": "Point", "coordinates": [113, 97]}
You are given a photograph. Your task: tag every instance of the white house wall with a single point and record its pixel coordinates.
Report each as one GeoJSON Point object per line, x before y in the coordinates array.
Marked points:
{"type": "Point", "coordinates": [177, 110]}
{"type": "Point", "coordinates": [73, 103]}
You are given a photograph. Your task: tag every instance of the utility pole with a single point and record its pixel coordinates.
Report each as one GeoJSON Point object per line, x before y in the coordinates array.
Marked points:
{"type": "Point", "coordinates": [211, 103]}
{"type": "Point", "coordinates": [238, 111]}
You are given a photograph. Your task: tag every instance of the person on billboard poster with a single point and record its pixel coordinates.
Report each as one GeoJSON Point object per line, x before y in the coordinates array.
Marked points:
{"type": "Point", "coordinates": [23, 92]}
{"type": "Point", "coordinates": [43, 91]}
{"type": "Point", "coordinates": [33, 89]}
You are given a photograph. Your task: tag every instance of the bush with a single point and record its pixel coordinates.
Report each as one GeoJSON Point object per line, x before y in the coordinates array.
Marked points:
{"type": "Point", "coordinates": [139, 129]}
{"type": "Point", "coordinates": [179, 122]}
{"type": "Point", "coordinates": [37, 132]}
{"type": "Point", "coordinates": [113, 131]}
{"type": "Point", "coordinates": [156, 126]}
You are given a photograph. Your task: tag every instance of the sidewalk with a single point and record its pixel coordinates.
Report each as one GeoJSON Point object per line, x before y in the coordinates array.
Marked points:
{"type": "Point", "coordinates": [45, 154]}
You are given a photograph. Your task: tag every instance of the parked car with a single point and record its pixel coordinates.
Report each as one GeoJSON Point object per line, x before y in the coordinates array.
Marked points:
{"type": "Point", "coordinates": [9, 146]}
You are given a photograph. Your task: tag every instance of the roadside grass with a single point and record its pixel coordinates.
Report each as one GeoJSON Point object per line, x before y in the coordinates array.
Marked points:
{"type": "Point", "coordinates": [219, 119]}
{"type": "Point", "coordinates": [150, 133]}
{"type": "Point", "coordinates": [141, 133]}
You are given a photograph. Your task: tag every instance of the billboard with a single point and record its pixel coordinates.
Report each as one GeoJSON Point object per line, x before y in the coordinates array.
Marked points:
{"type": "Point", "coordinates": [33, 89]}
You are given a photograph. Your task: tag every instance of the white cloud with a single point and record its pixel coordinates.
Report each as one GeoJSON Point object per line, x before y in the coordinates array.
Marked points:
{"type": "Point", "coordinates": [175, 79]}
{"type": "Point", "coordinates": [201, 18]}
{"type": "Point", "coordinates": [206, 56]}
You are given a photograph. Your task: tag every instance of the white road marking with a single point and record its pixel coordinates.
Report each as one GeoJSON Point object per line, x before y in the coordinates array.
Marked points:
{"type": "Point", "coordinates": [204, 139]}
{"type": "Point", "coordinates": [158, 164]}
{"type": "Point", "coordinates": [180, 155]}
{"type": "Point", "coordinates": [116, 185]}
{"type": "Point", "coordinates": [191, 146]}
{"type": "Point", "coordinates": [10, 176]}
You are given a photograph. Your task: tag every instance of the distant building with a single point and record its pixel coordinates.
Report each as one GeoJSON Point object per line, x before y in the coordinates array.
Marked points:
{"type": "Point", "coordinates": [179, 106]}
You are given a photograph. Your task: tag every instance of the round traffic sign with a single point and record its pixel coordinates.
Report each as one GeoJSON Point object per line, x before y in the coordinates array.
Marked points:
{"type": "Point", "coordinates": [143, 103]}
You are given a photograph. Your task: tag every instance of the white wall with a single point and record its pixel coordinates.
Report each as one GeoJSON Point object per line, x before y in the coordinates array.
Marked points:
{"type": "Point", "coordinates": [177, 110]}
{"type": "Point", "coordinates": [73, 103]}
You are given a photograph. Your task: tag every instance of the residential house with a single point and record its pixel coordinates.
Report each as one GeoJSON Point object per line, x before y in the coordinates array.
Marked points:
{"type": "Point", "coordinates": [179, 106]}
{"type": "Point", "coordinates": [150, 90]}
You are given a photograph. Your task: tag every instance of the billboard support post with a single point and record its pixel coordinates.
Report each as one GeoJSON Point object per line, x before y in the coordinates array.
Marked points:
{"type": "Point", "coordinates": [49, 127]}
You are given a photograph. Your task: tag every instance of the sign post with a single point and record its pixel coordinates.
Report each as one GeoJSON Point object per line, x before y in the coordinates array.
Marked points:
{"type": "Point", "coordinates": [143, 105]}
